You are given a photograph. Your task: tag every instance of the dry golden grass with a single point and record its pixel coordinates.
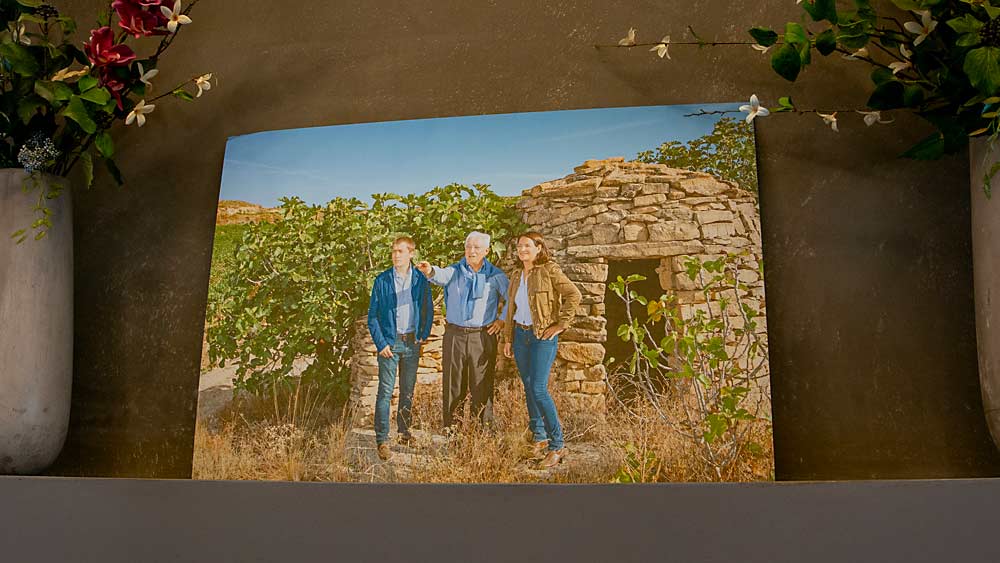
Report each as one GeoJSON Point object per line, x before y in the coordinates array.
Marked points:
{"type": "Point", "coordinates": [308, 441]}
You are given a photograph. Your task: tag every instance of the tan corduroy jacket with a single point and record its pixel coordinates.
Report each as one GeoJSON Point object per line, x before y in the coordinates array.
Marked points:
{"type": "Point", "coordinates": [552, 296]}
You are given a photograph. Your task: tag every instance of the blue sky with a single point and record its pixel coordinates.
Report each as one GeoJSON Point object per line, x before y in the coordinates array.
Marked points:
{"type": "Point", "coordinates": [510, 152]}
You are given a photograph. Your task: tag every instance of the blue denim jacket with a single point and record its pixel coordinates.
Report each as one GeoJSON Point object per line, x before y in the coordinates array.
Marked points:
{"type": "Point", "coordinates": [382, 308]}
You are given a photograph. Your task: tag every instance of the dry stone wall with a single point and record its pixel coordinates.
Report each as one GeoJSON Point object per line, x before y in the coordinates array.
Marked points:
{"type": "Point", "coordinates": [611, 210]}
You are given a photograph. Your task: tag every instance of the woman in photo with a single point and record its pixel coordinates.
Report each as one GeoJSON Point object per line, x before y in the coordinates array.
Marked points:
{"type": "Point", "coordinates": [543, 301]}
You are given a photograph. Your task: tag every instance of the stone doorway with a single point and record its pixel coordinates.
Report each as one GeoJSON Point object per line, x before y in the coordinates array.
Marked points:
{"type": "Point", "coordinates": [619, 350]}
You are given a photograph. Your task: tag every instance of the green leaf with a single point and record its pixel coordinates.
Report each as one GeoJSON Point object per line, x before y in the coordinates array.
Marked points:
{"type": "Point", "coordinates": [115, 172]}
{"type": "Point", "coordinates": [786, 102]}
{"type": "Point", "coordinates": [795, 34]}
{"type": "Point", "coordinates": [53, 91]}
{"type": "Point", "coordinates": [826, 42]}
{"type": "Point", "coordinates": [87, 162]}
{"type": "Point", "coordinates": [182, 94]}
{"type": "Point", "coordinates": [86, 83]}
{"type": "Point", "coordinates": [982, 65]}
{"type": "Point", "coordinates": [913, 96]}
{"type": "Point", "coordinates": [881, 75]}
{"type": "Point", "coordinates": [27, 107]}
{"type": "Point", "coordinates": [888, 95]}
{"type": "Point", "coordinates": [821, 10]}
{"type": "Point", "coordinates": [764, 36]}
{"type": "Point", "coordinates": [104, 144]}
{"type": "Point", "coordinates": [99, 96]}
{"type": "Point", "coordinates": [77, 111]}
{"type": "Point", "coordinates": [19, 58]}
{"type": "Point", "coordinates": [929, 148]}
{"type": "Point", "coordinates": [787, 62]}
{"type": "Point", "coordinates": [968, 40]}
{"type": "Point", "coordinates": [992, 11]}
{"type": "Point", "coordinates": [30, 3]}
{"type": "Point", "coordinates": [965, 24]}
{"type": "Point", "coordinates": [853, 41]}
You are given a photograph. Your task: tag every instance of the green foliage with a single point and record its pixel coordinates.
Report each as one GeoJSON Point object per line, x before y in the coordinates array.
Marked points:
{"type": "Point", "coordinates": [641, 465]}
{"type": "Point", "coordinates": [702, 360]}
{"type": "Point", "coordinates": [951, 70]}
{"type": "Point", "coordinates": [50, 90]}
{"type": "Point", "coordinates": [295, 288]}
{"type": "Point", "coordinates": [727, 152]}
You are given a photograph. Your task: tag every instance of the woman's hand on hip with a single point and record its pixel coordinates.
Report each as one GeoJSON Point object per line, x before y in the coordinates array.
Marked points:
{"type": "Point", "coordinates": [550, 332]}
{"type": "Point", "coordinates": [507, 352]}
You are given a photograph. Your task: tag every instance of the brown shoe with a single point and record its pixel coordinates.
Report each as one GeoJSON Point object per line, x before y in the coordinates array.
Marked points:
{"type": "Point", "coordinates": [553, 458]}
{"type": "Point", "coordinates": [384, 453]}
{"type": "Point", "coordinates": [539, 449]}
{"type": "Point", "coordinates": [407, 439]}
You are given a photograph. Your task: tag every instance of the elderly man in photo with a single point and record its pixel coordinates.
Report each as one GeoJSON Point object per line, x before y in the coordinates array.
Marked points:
{"type": "Point", "coordinates": [474, 290]}
{"type": "Point", "coordinates": [400, 315]}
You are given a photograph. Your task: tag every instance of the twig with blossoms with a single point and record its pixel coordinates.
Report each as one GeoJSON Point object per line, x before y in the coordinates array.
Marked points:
{"type": "Point", "coordinates": [60, 115]}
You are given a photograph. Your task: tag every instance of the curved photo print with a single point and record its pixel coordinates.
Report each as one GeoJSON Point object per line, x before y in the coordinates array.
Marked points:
{"type": "Point", "coordinates": [552, 297]}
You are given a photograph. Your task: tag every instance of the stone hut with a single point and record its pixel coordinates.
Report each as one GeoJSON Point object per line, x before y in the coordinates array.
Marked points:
{"type": "Point", "coordinates": [609, 218]}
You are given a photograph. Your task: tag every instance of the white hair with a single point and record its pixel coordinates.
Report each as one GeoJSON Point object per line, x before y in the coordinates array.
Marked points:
{"type": "Point", "coordinates": [481, 236]}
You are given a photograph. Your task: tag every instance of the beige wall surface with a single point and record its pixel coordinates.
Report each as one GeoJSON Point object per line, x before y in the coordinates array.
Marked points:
{"type": "Point", "coordinates": [867, 257]}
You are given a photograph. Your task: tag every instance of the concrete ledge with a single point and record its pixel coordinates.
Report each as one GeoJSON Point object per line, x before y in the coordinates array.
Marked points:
{"type": "Point", "coordinates": [61, 519]}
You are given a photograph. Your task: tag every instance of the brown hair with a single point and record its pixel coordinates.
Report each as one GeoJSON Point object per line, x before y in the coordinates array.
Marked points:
{"type": "Point", "coordinates": [536, 237]}
{"type": "Point", "coordinates": [407, 240]}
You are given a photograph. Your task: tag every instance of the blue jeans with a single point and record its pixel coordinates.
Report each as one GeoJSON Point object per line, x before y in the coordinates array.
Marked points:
{"type": "Point", "coordinates": [534, 359]}
{"type": "Point", "coordinates": [405, 358]}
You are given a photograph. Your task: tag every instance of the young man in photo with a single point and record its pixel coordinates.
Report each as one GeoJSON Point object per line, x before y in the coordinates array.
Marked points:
{"type": "Point", "coordinates": [400, 315]}
{"type": "Point", "coordinates": [474, 290]}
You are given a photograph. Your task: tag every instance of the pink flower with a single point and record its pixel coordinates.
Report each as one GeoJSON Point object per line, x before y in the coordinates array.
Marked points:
{"type": "Point", "coordinates": [140, 18]}
{"type": "Point", "coordinates": [102, 51]}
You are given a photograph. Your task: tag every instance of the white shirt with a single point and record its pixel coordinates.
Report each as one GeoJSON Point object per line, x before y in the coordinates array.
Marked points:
{"type": "Point", "coordinates": [405, 317]}
{"type": "Point", "coordinates": [522, 314]}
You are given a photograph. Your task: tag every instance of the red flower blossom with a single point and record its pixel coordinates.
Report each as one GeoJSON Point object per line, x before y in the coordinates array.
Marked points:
{"type": "Point", "coordinates": [102, 51]}
{"type": "Point", "coordinates": [140, 18]}
{"type": "Point", "coordinates": [108, 79]}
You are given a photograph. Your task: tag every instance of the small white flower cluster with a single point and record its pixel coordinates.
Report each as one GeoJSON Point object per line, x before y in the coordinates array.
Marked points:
{"type": "Point", "coordinates": [37, 153]}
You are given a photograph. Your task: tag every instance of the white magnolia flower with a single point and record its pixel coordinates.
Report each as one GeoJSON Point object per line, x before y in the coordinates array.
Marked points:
{"type": "Point", "coordinates": [174, 17]}
{"type": "Point", "coordinates": [754, 109]}
{"type": "Point", "coordinates": [904, 51]}
{"type": "Point", "coordinates": [923, 28]}
{"type": "Point", "coordinates": [202, 82]}
{"type": "Point", "coordinates": [661, 47]}
{"type": "Point", "coordinates": [629, 38]}
{"type": "Point", "coordinates": [760, 47]}
{"type": "Point", "coordinates": [144, 75]}
{"type": "Point", "coordinates": [830, 119]}
{"type": "Point", "coordinates": [873, 117]}
{"type": "Point", "coordinates": [899, 66]}
{"type": "Point", "coordinates": [138, 113]}
{"type": "Point", "coordinates": [862, 52]}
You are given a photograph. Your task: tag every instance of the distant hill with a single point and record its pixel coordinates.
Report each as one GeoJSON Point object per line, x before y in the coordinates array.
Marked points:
{"type": "Point", "coordinates": [235, 212]}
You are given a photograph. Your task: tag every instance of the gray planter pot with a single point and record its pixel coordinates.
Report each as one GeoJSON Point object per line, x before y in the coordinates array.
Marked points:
{"type": "Point", "coordinates": [36, 327]}
{"type": "Point", "coordinates": [986, 272]}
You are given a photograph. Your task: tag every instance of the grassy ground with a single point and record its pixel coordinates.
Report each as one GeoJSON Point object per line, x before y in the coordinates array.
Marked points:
{"type": "Point", "coordinates": [274, 440]}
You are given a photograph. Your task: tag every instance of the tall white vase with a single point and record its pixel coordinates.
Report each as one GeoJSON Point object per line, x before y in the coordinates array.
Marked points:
{"type": "Point", "coordinates": [986, 272]}
{"type": "Point", "coordinates": [36, 326]}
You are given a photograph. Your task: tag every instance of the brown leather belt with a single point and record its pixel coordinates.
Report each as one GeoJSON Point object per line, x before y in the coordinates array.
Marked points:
{"type": "Point", "coordinates": [467, 329]}
{"type": "Point", "coordinates": [408, 337]}
{"type": "Point", "coordinates": [525, 327]}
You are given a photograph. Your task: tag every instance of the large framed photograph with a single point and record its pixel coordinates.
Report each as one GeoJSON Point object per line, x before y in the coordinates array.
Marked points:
{"type": "Point", "coordinates": [567, 296]}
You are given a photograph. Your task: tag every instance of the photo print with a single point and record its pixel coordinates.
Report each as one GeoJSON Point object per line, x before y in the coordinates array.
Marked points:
{"type": "Point", "coordinates": [553, 297]}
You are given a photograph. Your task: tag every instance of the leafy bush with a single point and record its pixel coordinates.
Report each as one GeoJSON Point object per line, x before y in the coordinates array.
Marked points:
{"type": "Point", "coordinates": [701, 374]}
{"type": "Point", "coordinates": [296, 287]}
